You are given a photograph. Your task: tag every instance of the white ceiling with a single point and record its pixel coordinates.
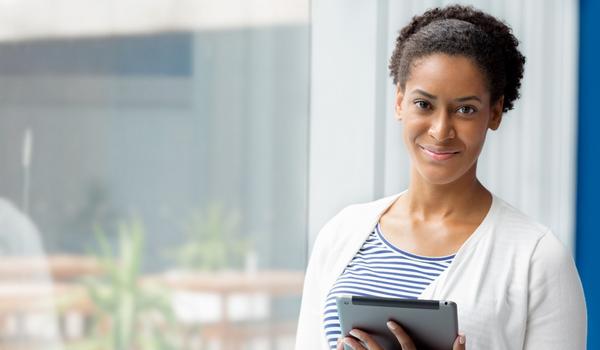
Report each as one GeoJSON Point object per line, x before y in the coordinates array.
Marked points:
{"type": "Point", "coordinates": [31, 19]}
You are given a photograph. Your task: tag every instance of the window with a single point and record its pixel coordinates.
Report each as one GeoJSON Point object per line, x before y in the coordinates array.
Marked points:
{"type": "Point", "coordinates": [154, 183]}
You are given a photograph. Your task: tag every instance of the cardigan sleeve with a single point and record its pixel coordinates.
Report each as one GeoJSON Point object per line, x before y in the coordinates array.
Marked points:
{"type": "Point", "coordinates": [556, 316]}
{"type": "Point", "coordinates": [308, 334]}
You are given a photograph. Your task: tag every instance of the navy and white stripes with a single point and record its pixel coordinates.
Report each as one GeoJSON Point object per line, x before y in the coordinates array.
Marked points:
{"type": "Point", "coordinates": [381, 269]}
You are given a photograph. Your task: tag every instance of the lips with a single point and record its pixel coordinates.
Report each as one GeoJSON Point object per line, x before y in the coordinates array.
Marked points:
{"type": "Point", "coordinates": [437, 153]}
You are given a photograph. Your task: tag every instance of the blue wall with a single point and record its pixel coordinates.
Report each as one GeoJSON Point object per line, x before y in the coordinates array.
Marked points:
{"type": "Point", "coordinates": [588, 167]}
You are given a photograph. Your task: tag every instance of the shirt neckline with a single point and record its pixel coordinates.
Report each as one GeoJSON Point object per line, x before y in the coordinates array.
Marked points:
{"type": "Point", "coordinates": [433, 290]}
{"type": "Point", "coordinates": [411, 255]}
{"type": "Point", "coordinates": [487, 220]}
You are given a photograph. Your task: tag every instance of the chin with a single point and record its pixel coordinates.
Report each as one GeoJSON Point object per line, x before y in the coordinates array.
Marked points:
{"type": "Point", "coordinates": [440, 180]}
{"type": "Point", "coordinates": [439, 176]}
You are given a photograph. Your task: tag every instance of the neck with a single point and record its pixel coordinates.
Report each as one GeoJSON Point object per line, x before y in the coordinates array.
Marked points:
{"type": "Point", "coordinates": [428, 201]}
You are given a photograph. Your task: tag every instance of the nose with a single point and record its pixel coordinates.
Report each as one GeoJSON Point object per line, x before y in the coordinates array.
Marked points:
{"type": "Point", "coordinates": [441, 128]}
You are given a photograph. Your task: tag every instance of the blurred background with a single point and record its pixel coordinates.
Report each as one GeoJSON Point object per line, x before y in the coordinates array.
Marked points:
{"type": "Point", "coordinates": [160, 149]}
{"type": "Point", "coordinates": [167, 164]}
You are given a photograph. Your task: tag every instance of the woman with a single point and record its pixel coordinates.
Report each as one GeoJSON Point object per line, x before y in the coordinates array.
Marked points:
{"type": "Point", "coordinates": [457, 70]}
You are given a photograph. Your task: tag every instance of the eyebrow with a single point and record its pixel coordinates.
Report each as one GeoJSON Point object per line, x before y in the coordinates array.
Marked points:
{"type": "Point", "coordinates": [460, 99]}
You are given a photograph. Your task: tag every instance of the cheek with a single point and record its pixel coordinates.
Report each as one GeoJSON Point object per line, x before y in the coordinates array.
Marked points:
{"type": "Point", "coordinates": [473, 138]}
{"type": "Point", "coordinates": [408, 137]}
{"type": "Point", "coordinates": [470, 135]}
{"type": "Point", "coordinates": [413, 129]}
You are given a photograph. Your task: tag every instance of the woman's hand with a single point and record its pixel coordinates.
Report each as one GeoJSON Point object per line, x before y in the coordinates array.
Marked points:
{"type": "Point", "coordinates": [403, 339]}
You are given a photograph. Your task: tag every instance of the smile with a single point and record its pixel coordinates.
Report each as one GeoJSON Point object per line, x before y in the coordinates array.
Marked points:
{"type": "Point", "coordinates": [439, 155]}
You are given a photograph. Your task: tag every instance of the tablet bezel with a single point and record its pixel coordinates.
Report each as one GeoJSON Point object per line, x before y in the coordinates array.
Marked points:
{"type": "Point", "coordinates": [433, 324]}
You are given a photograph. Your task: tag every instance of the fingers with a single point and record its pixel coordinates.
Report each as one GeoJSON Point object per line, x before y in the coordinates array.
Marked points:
{"type": "Point", "coordinates": [403, 338]}
{"type": "Point", "coordinates": [364, 337]}
{"type": "Point", "coordinates": [460, 342]}
{"type": "Point", "coordinates": [351, 342]}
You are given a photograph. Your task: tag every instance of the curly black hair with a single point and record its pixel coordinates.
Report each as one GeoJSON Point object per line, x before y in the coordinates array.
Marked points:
{"type": "Point", "coordinates": [466, 31]}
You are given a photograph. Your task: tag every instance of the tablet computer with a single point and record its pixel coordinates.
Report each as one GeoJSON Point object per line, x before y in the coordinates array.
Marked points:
{"type": "Point", "coordinates": [432, 324]}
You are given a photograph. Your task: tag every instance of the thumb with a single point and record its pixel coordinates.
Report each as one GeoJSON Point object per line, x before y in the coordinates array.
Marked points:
{"type": "Point", "coordinates": [460, 342]}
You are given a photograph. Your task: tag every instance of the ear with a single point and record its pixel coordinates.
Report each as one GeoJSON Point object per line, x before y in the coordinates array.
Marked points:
{"type": "Point", "coordinates": [398, 103]}
{"type": "Point", "coordinates": [496, 118]}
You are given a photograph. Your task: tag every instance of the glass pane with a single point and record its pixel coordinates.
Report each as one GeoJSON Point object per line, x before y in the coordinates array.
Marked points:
{"type": "Point", "coordinates": [154, 187]}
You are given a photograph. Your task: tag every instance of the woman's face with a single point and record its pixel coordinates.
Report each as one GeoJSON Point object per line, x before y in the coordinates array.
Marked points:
{"type": "Point", "coordinates": [445, 108]}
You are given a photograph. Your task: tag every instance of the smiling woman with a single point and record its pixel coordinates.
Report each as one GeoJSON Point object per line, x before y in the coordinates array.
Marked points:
{"type": "Point", "coordinates": [446, 122]}
{"type": "Point", "coordinates": [447, 237]}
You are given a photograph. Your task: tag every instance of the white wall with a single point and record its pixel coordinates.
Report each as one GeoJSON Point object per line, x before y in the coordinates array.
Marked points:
{"type": "Point", "coordinates": [356, 149]}
{"type": "Point", "coordinates": [341, 156]}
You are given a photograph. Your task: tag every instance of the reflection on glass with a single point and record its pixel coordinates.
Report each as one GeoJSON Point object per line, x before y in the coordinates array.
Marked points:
{"type": "Point", "coordinates": [26, 290]}
{"type": "Point", "coordinates": [166, 173]}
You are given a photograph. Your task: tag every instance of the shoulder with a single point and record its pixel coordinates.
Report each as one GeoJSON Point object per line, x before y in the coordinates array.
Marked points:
{"type": "Point", "coordinates": [525, 233]}
{"type": "Point", "coordinates": [358, 214]}
{"type": "Point", "coordinates": [7, 209]}
{"type": "Point", "coordinates": [18, 234]}
{"type": "Point", "coordinates": [352, 223]}
{"type": "Point", "coordinates": [13, 220]}
{"type": "Point", "coordinates": [533, 268]}
{"type": "Point", "coordinates": [370, 207]}
{"type": "Point", "coordinates": [512, 223]}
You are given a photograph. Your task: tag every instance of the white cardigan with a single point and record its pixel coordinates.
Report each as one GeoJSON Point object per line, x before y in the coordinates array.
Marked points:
{"type": "Point", "coordinates": [515, 284]}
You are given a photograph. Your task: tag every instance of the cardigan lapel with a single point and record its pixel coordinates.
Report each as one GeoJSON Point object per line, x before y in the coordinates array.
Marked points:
{"type": "Point", "coordinates": [441, 287]}
{"type": "Point", "coordinates": [354, 230]}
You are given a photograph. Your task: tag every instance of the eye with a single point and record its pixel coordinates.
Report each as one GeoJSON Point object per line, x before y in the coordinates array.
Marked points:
{"type": "Point", "coordinates": [466, 110]}
{"type": "Point", "coordinates": [421, 104]}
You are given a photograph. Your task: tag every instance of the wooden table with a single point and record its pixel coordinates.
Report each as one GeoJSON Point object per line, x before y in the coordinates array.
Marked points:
{"type": "Point", "coordinates": [21, 298]}
{"type": "Point", "coordinates": [274, 283]}
{"type": "Point", "coordinates": [60, 267]}
{"type": "Point", "coordinates": [42, 286]}
{"type": "Point", "coordinates": [18, 296]}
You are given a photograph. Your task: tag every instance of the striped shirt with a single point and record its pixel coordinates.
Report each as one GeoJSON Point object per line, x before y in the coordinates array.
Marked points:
{"type": "Point", "coordinates": [382, 270]}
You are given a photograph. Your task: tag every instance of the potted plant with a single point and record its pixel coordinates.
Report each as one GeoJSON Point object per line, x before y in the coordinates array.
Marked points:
{"type": "Point", "coordinates": [213, 241]}
{"type": "Point", "coordinates": [127, 315]}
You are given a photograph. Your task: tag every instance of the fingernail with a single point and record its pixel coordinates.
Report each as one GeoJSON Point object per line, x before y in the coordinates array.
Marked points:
{"type": "Point", "coordinates": [391, 325]}
{"type": "Point", "coordinates": [461, 339]}
{"type": "Point", "coordinates": [354, 333]}
{"type": "Point", "coordinates": [347, 342]}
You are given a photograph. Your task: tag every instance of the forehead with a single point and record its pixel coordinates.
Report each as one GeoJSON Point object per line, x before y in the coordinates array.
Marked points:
{"type": "Point", "coordinates": [447, 75]}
